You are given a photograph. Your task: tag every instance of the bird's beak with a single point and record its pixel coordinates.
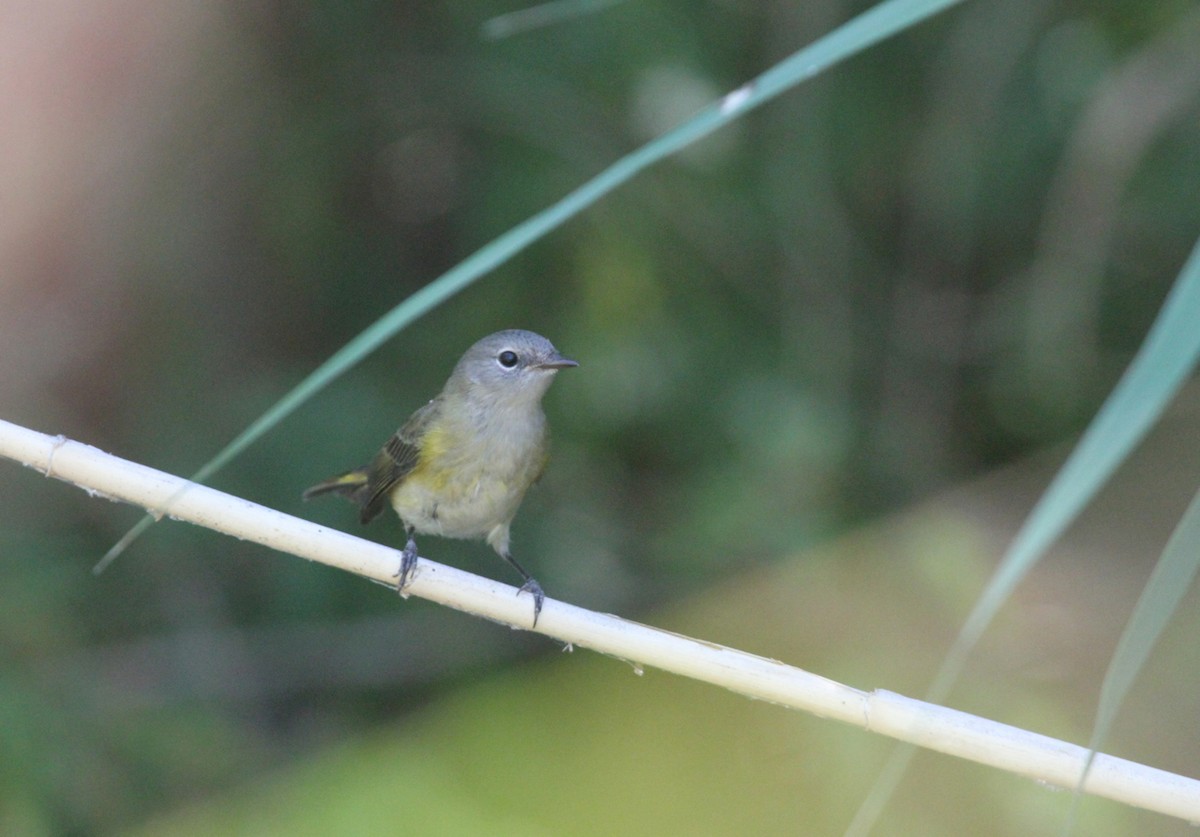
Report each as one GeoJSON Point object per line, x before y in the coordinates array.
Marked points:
{"type": "Point", "coordinates": [556, 361]}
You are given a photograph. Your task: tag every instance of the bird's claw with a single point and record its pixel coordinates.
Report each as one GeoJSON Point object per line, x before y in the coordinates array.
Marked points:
{"type": "Point", "coordinates": [408, 563]}
{"type": "Point", "coordinates": [534, 589]}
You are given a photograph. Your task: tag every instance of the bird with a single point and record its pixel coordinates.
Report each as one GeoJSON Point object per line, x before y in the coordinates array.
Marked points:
{"type": "Point", "coordinates": [459, 467]}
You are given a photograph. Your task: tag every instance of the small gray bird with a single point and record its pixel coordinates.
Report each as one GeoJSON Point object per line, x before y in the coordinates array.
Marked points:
{"type": "Point", "coordinates": [460, 466]}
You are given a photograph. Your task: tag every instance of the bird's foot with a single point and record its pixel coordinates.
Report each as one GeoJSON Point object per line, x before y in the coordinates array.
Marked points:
{"type": "Point", "coordinates": [534, 589]}
{"type": "Point", "coordinates": [408, 563]}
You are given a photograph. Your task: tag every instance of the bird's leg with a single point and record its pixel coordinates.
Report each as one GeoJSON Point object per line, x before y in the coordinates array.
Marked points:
{"type": "Point", "coordinates": [530, 586]}
{"type": "Point", "coordinates": [408, 562]}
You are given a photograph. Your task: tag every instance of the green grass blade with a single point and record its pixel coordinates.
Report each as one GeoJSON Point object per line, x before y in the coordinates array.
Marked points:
{"type": "Point", "coordinates": [1172, 577]}
{"type": "Point", "coordinates": [544, 14]}
{"type": "Point", "coordinates": [869, 28]}
{"type": "Point", "coordinates": [1175, 571]}
{"type": "Point", "coordinates": [1162, 364]}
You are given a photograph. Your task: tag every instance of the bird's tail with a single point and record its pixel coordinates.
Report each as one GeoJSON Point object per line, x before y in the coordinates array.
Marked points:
{"type": "Point", "coordinates": [348, 484]}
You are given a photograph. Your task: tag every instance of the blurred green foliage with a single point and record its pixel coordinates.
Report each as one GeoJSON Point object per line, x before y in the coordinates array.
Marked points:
{"type": "Point", "coordinates": [916, 267]}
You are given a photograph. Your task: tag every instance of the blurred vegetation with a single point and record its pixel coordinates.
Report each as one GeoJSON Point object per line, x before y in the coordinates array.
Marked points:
{"type": "Point", "coordinates": [919, 266]}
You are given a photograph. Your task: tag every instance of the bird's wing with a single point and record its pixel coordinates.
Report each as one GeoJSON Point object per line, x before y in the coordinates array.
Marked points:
{"type": "Point", "coordinates": [395, 461]}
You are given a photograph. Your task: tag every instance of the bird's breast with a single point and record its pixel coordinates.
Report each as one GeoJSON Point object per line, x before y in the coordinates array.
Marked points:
{"type": "Point", "coordinates": [471, 477]}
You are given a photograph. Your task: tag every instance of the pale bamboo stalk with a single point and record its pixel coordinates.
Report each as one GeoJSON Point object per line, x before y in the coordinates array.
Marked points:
{"type": "Point", "coordinates": [1048, 760]}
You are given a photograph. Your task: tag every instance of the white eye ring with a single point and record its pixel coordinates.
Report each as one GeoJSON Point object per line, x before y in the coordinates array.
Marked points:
{"type": "Point", "coordinates": [507, 358]}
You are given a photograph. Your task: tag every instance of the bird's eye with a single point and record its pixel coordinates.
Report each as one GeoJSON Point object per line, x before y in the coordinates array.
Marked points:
{"type": "Point", "coordinates": [508, 359]}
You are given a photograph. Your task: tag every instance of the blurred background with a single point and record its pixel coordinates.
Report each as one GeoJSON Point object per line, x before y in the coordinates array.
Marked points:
{"type": "Point", "coordinates": [930, 263]}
